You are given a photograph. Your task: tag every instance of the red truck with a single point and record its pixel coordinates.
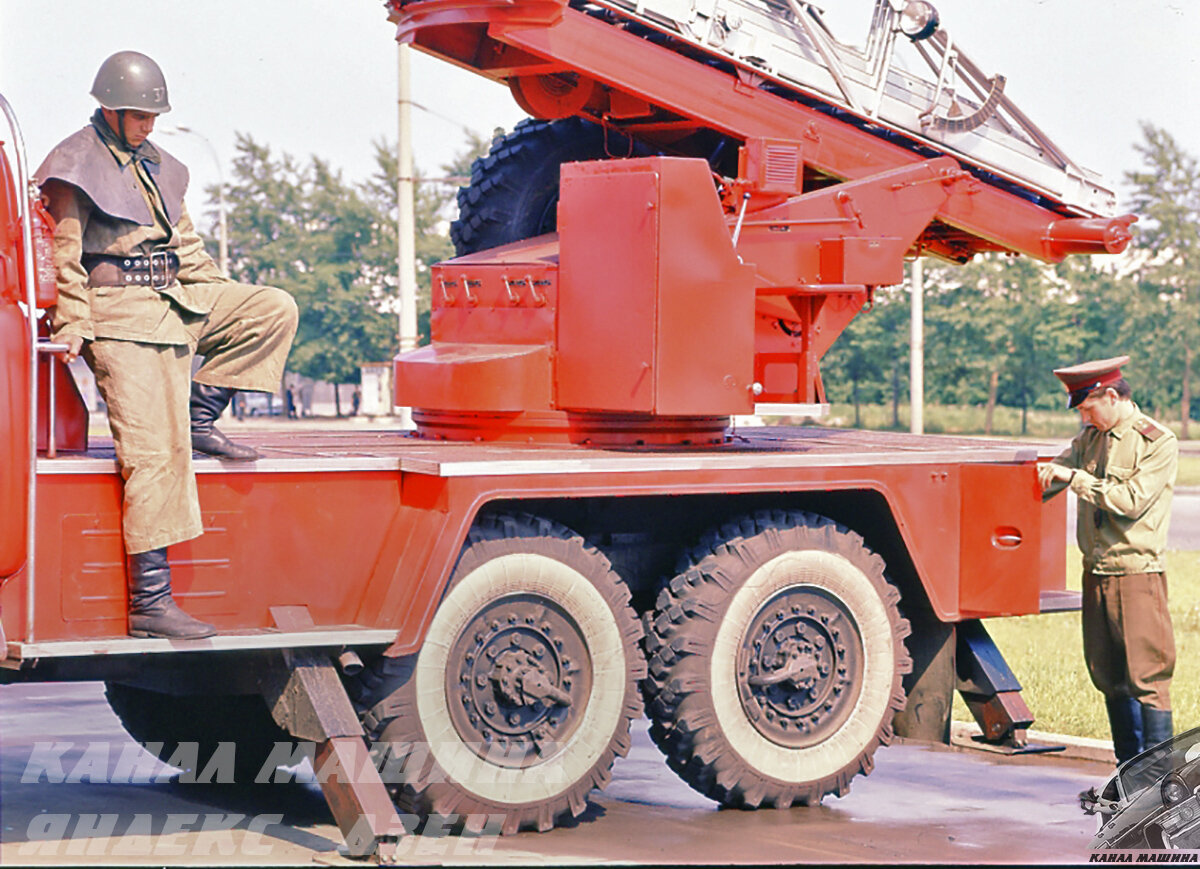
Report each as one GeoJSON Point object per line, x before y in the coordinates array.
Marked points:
{"type": "Point", "coordinates": [464, 619]}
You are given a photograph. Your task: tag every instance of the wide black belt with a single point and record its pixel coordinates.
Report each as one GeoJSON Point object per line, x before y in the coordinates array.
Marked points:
{"type": "Point", "coordinates": [156, 270]}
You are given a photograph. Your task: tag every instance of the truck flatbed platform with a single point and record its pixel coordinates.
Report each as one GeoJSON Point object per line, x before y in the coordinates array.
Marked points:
{"type": "Point", "coordinates": [758, 447]}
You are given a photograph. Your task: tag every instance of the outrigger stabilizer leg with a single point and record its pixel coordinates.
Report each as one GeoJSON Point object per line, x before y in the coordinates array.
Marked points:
{"type": "Point", "coordinates": [992, 693]}
{"type": "Point", "coordinates": [309, 701]}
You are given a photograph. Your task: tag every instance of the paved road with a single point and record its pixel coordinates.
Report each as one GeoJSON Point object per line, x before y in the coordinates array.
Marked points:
{"type": "Point", "coordinates": [1184, 532]}
{"type": "Point", "coordinates": [922, 804]}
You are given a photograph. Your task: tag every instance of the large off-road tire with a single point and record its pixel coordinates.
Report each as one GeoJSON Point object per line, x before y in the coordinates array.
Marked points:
{"type": "Point", "coordinates": [513, 193]}
{"type": "Point", "coordinates": [521, 696]}
{"type": "Point", "coordinates": [162, 722]}
{"type": "Point", "coordinates": [775, 661]}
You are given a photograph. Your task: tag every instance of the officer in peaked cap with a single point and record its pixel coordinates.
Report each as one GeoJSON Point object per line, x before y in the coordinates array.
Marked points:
{"type": "Point", "coordinates": [137, 298]}
{"type": "Point", "coordinates": [1122, 466]}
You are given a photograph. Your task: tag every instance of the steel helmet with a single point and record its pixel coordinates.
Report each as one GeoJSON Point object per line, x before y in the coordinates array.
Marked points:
{"type": "Point", "coordinates": [130, 80]}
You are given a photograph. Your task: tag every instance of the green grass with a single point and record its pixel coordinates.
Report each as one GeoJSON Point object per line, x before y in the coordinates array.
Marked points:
{"type": "Point", "coordinates": [961, 419]}
{"type": "Point", "coordinates": [1046, 654]}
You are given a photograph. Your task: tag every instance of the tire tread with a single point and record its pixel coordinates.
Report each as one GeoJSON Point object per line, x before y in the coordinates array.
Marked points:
{"type": "Point", "coordinates": [684, 725]}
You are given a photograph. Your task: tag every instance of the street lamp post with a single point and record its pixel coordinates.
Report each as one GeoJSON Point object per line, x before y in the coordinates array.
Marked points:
{"type": "Point", "coordinates": [916, 376]}
{"type": "Point", "coordinates": [405, 221]}
{"type": "Point", "coordinates": [222, 228]}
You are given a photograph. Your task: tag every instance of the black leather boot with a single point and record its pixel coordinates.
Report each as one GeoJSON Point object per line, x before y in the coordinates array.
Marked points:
{"type": "Point", "coordinates": [1125, 721]}
{"type": "Point", "coordinates": [208, 402]}
{"type": "Point", "coordinates": [152, 610]}
{"type": "Point", "coordinates": [1157, 725]}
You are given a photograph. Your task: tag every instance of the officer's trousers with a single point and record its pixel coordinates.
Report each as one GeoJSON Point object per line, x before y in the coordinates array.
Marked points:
{"type": "Point", "coordinates": [1128, 641]}
{"type": "Point", "coordinates": [245, 342]}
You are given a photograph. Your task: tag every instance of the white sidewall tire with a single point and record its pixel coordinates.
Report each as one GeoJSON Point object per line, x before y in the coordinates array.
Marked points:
{"type": "Point", "coordinates": [835, 575]}
{"type": "Point", "coordinates": [523, 573]}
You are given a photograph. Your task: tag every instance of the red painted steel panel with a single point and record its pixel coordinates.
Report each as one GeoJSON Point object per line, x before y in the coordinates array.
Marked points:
{"type": "Point", "coordinates": [1001, 540]}
{"type": "Point", "coordinates": [706, 301]}
{"type": "Point", "coordinates": [1053, 569]}
{"type": "Point", "coordinates": [70, 410]}
{"type": "Point", "coordinates": [475, 377]}
{"type": "Point", "coordinates": [308, 539]}
{"type": "Point", "coordinates": [607, 306]}
{"type": "Point", "coordinates": [656, 314]}
{"type": "Point", "coordinates": [377, 547]}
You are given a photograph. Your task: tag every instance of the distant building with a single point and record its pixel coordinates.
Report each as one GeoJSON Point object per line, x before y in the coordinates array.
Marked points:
{"type": "Point", "coordinates": [378, 396]}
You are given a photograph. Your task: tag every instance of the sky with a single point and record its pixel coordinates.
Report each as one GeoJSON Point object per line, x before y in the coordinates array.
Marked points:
{"type": "Point", "coordinates": [319, 77]}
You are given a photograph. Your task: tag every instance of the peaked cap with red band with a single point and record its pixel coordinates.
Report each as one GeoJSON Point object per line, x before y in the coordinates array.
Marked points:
{"type": "Point", "coordinates": [1084, 379]}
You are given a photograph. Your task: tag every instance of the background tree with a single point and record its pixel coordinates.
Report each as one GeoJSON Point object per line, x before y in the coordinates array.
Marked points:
{"type": "Point", "coordinates": [433, 209]}
{"type": "Point", "coordinates": [1166, 195]}
{"type": "Point", "coordinates": [305, 230]}
{"type": "Point", "coordinates": [864, 364]}
{"type": "Point", "coordinates": [333, 246]}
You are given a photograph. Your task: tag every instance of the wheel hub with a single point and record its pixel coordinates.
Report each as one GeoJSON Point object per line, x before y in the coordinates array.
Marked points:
{"type": "Point", "coordinates": [520, 680]}
{"type": "Point", "coordinates": [800, 666]}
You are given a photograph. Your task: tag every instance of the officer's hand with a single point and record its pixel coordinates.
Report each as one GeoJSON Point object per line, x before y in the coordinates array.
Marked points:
{"type": "Point", "coordinates": [74, 345]}
{"type": "Point", "coordinates": [1048, 473]}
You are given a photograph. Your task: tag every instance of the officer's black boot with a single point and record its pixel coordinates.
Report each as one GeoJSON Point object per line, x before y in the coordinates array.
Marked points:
{"type": "Point", "coordinates": [1125, 720]}
{"type": "Point", "coordinates": [1157, 725]}
{"type": "Point", "coordinates": [152, 610]}
{"type": "Point", "coordinates": [208, 402]}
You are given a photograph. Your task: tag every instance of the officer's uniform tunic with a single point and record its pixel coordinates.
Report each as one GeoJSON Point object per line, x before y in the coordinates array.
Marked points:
{"type": "Point", "coordinates": [141, 340]}
{"type": "Point", "coordinates": [1125, 479]}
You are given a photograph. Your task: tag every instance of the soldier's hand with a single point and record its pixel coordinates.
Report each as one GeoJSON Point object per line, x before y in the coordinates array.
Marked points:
{"type": "Point", "coordinates": [74, 346]}
{"type": "Point", "coordinates": [1048, 473]}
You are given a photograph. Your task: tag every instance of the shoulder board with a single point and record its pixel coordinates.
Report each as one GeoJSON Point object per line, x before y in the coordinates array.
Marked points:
{"type": "Point", "coordinates": [1150, 430]}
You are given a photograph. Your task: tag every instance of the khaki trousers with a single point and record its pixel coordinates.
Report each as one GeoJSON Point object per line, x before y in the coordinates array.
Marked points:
{"type": "Point", "coordinates": [1128, 641]}
{"type": "Point", "coordinates": [245, 342]}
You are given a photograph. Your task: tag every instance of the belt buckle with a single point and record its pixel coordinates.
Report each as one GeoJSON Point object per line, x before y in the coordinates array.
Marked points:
{"type": "Point", "coordinates": [163, 264]}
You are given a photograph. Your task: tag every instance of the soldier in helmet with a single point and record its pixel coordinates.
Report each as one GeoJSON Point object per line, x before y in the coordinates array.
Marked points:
{"type": "Point", "coordinates": [137, 298]}
{"type": "Point", "coordinates": [1122, 466]}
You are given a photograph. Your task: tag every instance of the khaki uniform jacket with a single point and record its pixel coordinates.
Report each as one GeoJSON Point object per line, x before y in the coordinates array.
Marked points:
{"type": "Point", "coordinates": [140, 341]}
{"type": "Point", "coordinates": [1125, 479]}
{"type": "Point", "coordinates": [129, 312]}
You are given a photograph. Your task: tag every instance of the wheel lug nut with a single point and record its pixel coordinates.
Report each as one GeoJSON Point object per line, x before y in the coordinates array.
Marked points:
{"type": "Point", "coordinates": [514, 719]}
